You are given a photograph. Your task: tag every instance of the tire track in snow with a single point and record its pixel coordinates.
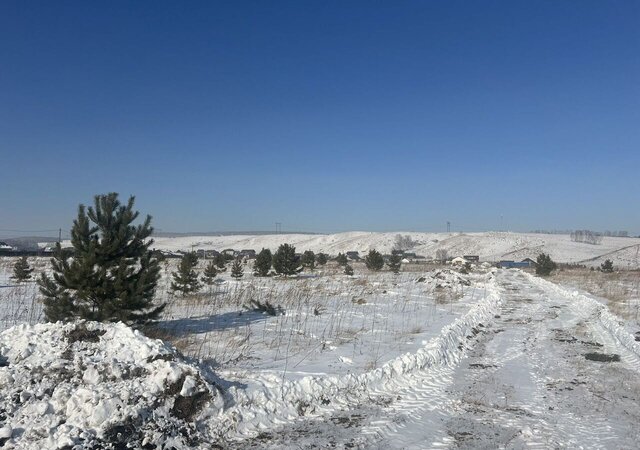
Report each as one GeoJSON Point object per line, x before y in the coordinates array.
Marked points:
{"type": "Point", "coordinates": [599, 313]}
{"type": "Point", "coordinates": [537, 390]}
{"type": "Point", "coordinates": [422, 399]}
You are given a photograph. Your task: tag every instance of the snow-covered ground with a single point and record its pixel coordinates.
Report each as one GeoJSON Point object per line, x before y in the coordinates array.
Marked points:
{"type": "Point", "coordinates": [429, 358]}
{"type": "Point", "coordinates": [490, 246]}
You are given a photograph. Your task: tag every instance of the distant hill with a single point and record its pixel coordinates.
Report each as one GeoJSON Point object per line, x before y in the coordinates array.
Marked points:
{"type": "Point", "coordinates": [490, 246]}
{"type": "Point", "coordinates": [223, 233]}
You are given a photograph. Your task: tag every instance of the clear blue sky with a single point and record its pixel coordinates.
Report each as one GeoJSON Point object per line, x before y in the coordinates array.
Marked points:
{"type": "Point", "coordinates": [323, 115]}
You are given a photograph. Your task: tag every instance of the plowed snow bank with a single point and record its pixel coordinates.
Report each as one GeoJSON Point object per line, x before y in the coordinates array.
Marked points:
{"type": "Point", "coordinates": [89, 385]}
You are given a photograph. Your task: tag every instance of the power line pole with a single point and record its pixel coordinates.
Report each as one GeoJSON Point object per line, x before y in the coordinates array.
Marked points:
{"type": "Point", "coordinates": [448, 226]}
{"type": "Point", "coordinates": [59, 235]}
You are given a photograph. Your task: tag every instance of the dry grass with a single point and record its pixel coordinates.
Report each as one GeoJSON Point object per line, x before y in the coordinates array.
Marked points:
{"type": "Point", "coordinates": [621, 289]}
{"type": "Point", "coordinates": [216, 324]}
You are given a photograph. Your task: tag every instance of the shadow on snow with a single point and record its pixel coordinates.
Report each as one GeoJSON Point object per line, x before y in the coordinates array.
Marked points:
{"type": "Point", "coordinates": [205, 324]}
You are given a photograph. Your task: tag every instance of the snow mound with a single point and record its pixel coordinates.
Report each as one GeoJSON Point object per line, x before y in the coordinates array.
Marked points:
{"type": "Point", "coordinates": [91, 385]}
{"type": "Point", "coordinates": [444, 279]}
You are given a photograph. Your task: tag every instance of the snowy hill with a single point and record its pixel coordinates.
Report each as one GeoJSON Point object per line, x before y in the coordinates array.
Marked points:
{"type": "Point", "coordinates": [490, 246]}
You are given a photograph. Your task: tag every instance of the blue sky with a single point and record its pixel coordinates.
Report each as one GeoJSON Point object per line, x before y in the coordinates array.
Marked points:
{"type": "Point", "coordinates": [323, 115]}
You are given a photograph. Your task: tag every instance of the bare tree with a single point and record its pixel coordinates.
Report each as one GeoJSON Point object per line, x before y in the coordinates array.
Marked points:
{"type": "Point", "coordinates": [404, 242]}
{"type": "Point", "coordinates": [586, 236]}
{"type": "Point", "coordinates": [442, 254]}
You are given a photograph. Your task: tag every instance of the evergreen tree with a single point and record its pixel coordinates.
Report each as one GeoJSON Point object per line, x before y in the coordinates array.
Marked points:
{"type": "Point", "coordinates": [21, 270]}
{"type": "Point", "coordinates": [111, 274]}
{"type": "Point", "coordinates": [545, 265]}
{"type": "Point", "coordinates": [221, 261]}
{"type": "Point", "coordinates": [210, 273]}
{"type": "Point", "coordinates": [262, 265]}
{"type": "Point", "coordinates": [308, 260]}
{"type": "Point", "coordinates": [285, 261]}
{"type": "Point", "coordinates": [236, 269]}
{"type": "Point", "coordinates": [341, 259]}
{"type": "Point", "coordinates": [607, 266]}
{"type": "Point", "coordinates": [185, 279]}
{"type": "Point", "coordinates": [321, 259]}
{"type": "Point", "coordinates": [394, 263]}
{"type": "Point", "coordinates": [374, 260]}
{"type": "Point", "coordinates": [348, 270]}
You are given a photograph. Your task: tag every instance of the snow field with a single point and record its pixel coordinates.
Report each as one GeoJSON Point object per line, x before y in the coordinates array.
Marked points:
{"type": "Point", "coordinates": [277, 401]}
{"type": "Point", "coordinates": [331, 323]}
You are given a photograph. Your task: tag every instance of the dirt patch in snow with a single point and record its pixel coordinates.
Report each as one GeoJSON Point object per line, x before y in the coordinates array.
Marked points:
{"type": "Point", "coordinates": [602, 357]}
{"type": "Point", "coordinates": [81, 334]}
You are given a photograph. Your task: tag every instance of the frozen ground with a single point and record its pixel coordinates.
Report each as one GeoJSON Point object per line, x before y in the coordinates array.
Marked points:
{"type": "Point", "coordinates": [493, 359]}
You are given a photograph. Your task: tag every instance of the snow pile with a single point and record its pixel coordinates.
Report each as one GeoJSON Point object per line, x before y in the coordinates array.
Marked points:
{"type": "Point", "coordinates": [91, 385]}
{"type": "Point", "coordinates": [444, 279]}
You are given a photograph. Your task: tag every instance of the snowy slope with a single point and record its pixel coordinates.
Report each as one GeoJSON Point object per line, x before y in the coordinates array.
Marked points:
{"type": "Point", "coordinates": [490, 246]}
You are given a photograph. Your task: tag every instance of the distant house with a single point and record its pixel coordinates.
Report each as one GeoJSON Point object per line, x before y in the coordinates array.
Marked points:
{"type": "Point", "coordinates": [46, 247]}
{"type": "Point", "coordinates": [531, 262]}
{"type": "Point", "coordinates": [200, 253]}
{"type": "Point", "coordinates": [472, 258]}
{"type": "Point", "coordinates": [409, 255]}
{"type": "Point", "coordinates": [507, 264]}
{"type": "Point", "coordinates": [354, 256]}
{"type": "Point", "coordinates": [248, 253]}
{"type": "Point", "coordinates": [397, 252]}
{"type": "Point", "coordinates": [229, 252]}
{"type": "Point", "coordinates": [458, 261]}
{"type": "Point", "coordinates": [210, 254]}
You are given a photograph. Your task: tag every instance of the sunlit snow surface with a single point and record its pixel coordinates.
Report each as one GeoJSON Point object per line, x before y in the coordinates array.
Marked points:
{"type": "Point", "coordinates": [501, 364]}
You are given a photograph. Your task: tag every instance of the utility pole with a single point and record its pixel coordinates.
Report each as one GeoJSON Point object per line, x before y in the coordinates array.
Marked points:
{"type": "Point", "coordinates": [448, 226]}
{"type": "Point", "coordinates": [278, 227]}
{"type": "Point", "coordinates": [60, 236]}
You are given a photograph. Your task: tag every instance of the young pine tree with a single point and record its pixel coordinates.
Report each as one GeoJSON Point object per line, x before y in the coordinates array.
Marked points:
{"type": "Point", "coordinates": [321, 259]}
{"type": "Point", "coordinates": [374, 260]}
{"type": "Point", "coordinates": [544, 265]}
{"type": "Point", "coordinates": [111, 275]}
{"type": "Point", "coordinates": [348, 270]}
{"type": "Point", "coordinates": [210, 273]}
{"type": "Point", "coordinates": [221, 262]}
{"type": "Point", "coordinates": [607, 266]}
{"type": "Point", "coordinates": [285, 261]}
{"type": "Point", "coordinates": [394, 263]}
{"type": "Point", "coordinates": [341, 259]}
{"type": "Point", "coordinates": [237, 270]}
{"type": "Point", "coordinates": [185, 279]}
{"type": "Point", "coordinates": [262, 265]}
{"type": "Point", "coordinates": [21, 270]}
{"type": "Point", "coordinates": [308, 260]}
